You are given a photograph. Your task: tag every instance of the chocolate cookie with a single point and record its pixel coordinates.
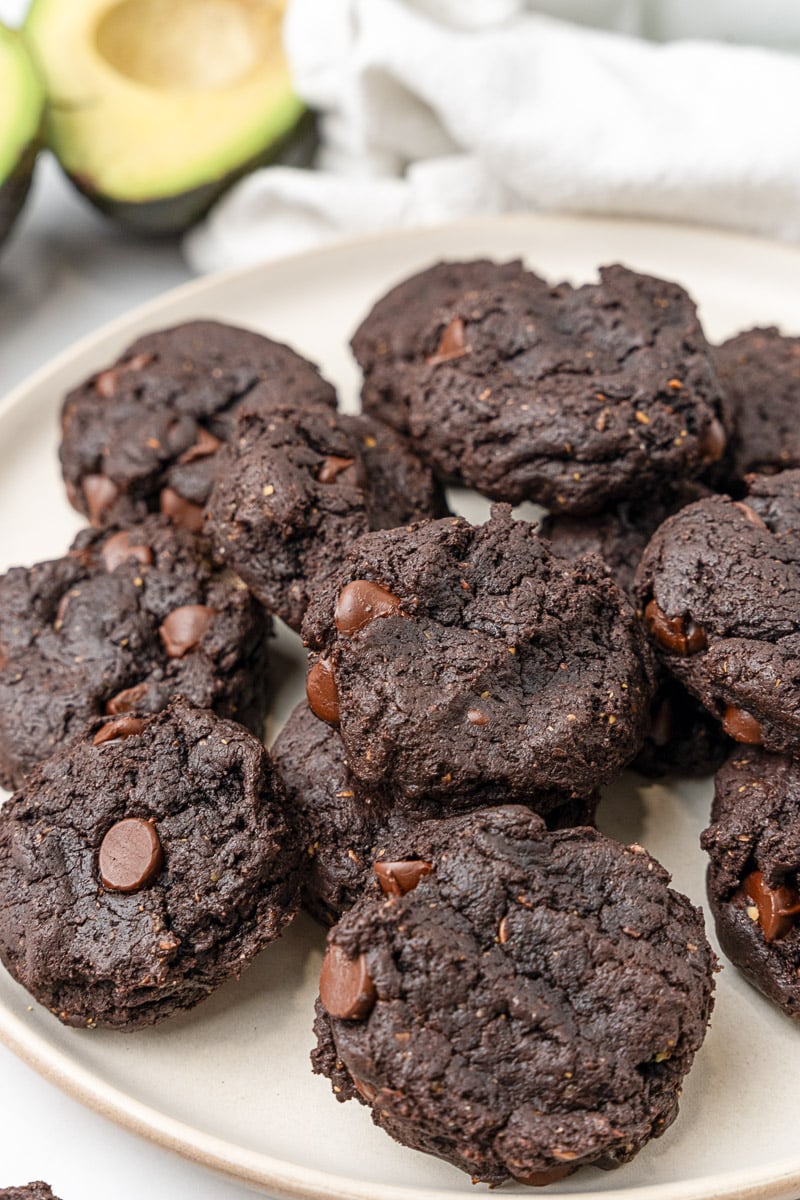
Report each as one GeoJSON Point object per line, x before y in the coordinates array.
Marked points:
{"type": "Point", "coordinates": [143, 434]}
{"type": "Point", "coordinates": [471, 662]}
{"type": "Point", "coordinates": [124, 621]}
{"type": "Point", "coordinates": [345, 827]}
{"type": "Point", "coordinates": [570, 397]}
{"type": "Point", "coordinates": [30, 1191]}
{"type": "Point", "coordinates": [143, 866]}
{"type": "Point", "coordinates": [759, 371]}
{"type": "Point", "coordinates": [683, 736]}
{"type": "Point", "coordinates": [719, 589]}
{"type": "Point", "coordinates": [294, 491]}
{"type": "Point", "coordinates": [754, 848]}
{"type": "Point", "coordinates": [522, 1003]}
{"type": "Point", "coordinates": [387, 343]}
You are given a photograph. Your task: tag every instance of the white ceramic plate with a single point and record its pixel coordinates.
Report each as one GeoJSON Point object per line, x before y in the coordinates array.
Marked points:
{"type": "Point", "coordinates": [229, 1085]}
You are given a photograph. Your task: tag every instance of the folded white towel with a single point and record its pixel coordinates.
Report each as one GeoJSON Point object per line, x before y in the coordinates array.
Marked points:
{"type": "Point", "coordinates": [440, 108]}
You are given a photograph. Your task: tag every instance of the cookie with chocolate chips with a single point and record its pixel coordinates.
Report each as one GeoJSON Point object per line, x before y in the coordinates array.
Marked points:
{"type": "Point", "coordinates": [572, 397]}
{"type": "Point", "coordinates": [297, 484]}
{"type": "Point", "coordinates": [470, 662]}
{"type": "Point", "coordinates": [683, 736]}
{"type": "Point", "coordinates": [753, 845]}
{"type": "Point", "coordinates": [719, 589]}
{"type": "Point", "coordinates": [142, 435]}
{"type": "Point", "coordinates": [142, 866]}
{"type": "Point", "coordinates": [123, 621]}
{"type": "Point", "coordinates": [759, 371]}
{"type": "Point", "coordinates": [345, 827]}
{"type": "Point", "coordinates": [521, 1003]}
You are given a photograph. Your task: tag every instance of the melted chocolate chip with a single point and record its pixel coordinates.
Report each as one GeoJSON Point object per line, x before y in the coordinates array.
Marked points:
{"type": "Point", "coordinates": [204, 447]}
{"type": "Point", "coordinates": [185, 627]}
{"type": "Point", "coordinates": [332, 467]}
{"type": "Point", "coordinates": [126, 700]}
{"type": "Point", "coordinates": [714, 442]}
{"type": "Point", "coordinates": [322, 693]}
{"type": "Point", "coordinates": [361, 602]}
{"type": "Point", "coordinates": [476, 716]}
{"type": "Point", "coordinates": [130, 855]}
{"type": "Point", "coordinates": [739, 725]}
{"type": "Point", "coordinates": [452, 344]}
{"type": "Point", "coordinates": [679, 635]}
{"type": "Point", "coordinates": [181, 512]}
{"type": "Point", "coordinates": [118, 549]}
{"type": "Point", "coordinates": [778, 907]}
{"type": "Point", "coordinates": [123, 727]}
{"type": "Point", "coordinates": [542, 1178]}
{"type": "Point", "coordinates": [100, 493]}
{"type": "Point", "coordinates": [345, 987]}
{"type": "Point", "coordinates": [397, 878]}
{"type": "Point", "coordinates": [750, 514]}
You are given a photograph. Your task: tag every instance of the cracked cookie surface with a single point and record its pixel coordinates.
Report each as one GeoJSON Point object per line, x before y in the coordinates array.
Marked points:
{"type": "Point", "coordinates": [530, 1005]}
{"type": "Point", "coordinates": [142, 866]}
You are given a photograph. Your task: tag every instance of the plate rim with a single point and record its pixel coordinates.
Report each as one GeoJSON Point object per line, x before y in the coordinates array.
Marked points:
{"type": "Point", "coordinates": [284, 1178]}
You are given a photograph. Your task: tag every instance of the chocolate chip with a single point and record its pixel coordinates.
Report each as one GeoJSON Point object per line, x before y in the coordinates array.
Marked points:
{"type": "Point", "coordinates": [680, 635]}
{"type": "Point", "coordinates": [777, 907]}
{"type": "Point", "coordinates": [100, 493]}
{"type": "Point", "coordinates": [739, 725]}
{"type": "Point", "coordinates": [204, 447]}
{"type": "Point", "coordinates": [345, 987]}
{"type": "Point", "coordinates": [106, 382]}
{"type": "Point", "coordinates": [397, 878]}
{"type": "Point", "coordinates": [3, 658]}
{"type": "Point", "coordinates": [181, 512]}
{"type": "Point", "coordinates": [185, 627]}
{"type": "Point", "coordinates": [451, 345]}
{"type": "Point", "coordinates": [322, 693]}
{"type": "Point", "coordinates": [365, 1089]}
{"type": "Point", "coordinates": [502, 931]}
{"type": "Point", "coordinates": [361, 602]}
{"type": "Point", "coordinates": [332, 467]}
{"type": "Point", "coordinates": [118, 549]}
{"type": "Point", "coordinates": [476, 717]}
{"type": "Point", "coordinates": [130, 855]}
{"type": "Point", "coordinates": [123, 727]}
{"type": "Point", "coordinates": [126, 700]}
{"type": "Point", "coordinates": [712, 446]}
{"type": "Point", "coordinates": [749, 514]}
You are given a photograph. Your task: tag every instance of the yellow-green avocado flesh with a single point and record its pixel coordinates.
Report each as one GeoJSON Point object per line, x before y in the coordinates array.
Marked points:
{"type": "Point", "coordinates": [157, 106]}
{"type": "Point", "coordinates": [21, 107]}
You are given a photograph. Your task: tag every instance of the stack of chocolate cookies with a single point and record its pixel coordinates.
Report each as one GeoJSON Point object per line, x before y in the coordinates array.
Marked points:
{"type": "Point", "coordinates": [504, 986]}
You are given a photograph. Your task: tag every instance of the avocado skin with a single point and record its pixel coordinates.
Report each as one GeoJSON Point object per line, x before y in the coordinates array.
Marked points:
{"type": "Point", "coordinates": [171, 215]}
{"type": "Point", "coordinates": [15, 187]}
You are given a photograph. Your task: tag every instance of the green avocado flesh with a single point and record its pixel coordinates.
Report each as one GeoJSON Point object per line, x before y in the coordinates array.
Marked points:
{"type": "Point", "coordinates": [20, 123]}
{"type": "Point", "coordinates": [157, 106]}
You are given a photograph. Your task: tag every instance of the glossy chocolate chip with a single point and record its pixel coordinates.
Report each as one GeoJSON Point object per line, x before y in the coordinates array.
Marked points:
{"type": "Point", "coordinates": [749, 514]}
{"type": "Point", "coordinates": [332, 467]}
{"type": "Point", "coordinates": [361, 602]}
{"type": "Point", "coordinates": [452, 344]}
{"type": "Point", "coordinates": [397, 878]}
{"type": "Point", "coordinates": [127, 699]}
{"type": "Point", "coordinates": [739, 725]}
{"type": "Point", "coordinates": [778, 907]}
{"type": "Point", "coordinates": [181, 512]}
{"type": "Point", "coordinates": [118, 549]}
{"type": "Point", "coordinates": [345, 987]}
{"type": "Point", "coordinates": [204, 447]}
{"type": "Point", "coordinates": [130, 855]}
{"type": "Point", "coordinates": [322, 693]}
{"type": "Point", "coordinates": [185, 627]}
{"type": "Point", "coordinates": [542, 1178]}
{"type": "Point", "coordinates": [477, 716]}
{"type": "Point", "coordinates": [123, 727]}
{"type": "Point", "coordinates": [100, 493]}
{"type": "Point", "coordinates": [680, 635]}
{"type": "Point", "coordinates": [714, 442]}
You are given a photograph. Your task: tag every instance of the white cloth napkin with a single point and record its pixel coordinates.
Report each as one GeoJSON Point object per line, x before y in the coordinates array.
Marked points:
{"type": "Point", "coordinates": [443, 108]}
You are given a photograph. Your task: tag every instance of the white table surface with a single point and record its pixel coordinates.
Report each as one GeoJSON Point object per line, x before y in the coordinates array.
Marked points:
{"type": "Point", "coordinates": [66, 272]}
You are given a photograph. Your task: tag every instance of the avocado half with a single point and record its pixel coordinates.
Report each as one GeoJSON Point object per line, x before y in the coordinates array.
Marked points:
{"type": "Point", "coordinates": [20, 125]}
{"type": "Point", "coordinates": [157, 106]}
